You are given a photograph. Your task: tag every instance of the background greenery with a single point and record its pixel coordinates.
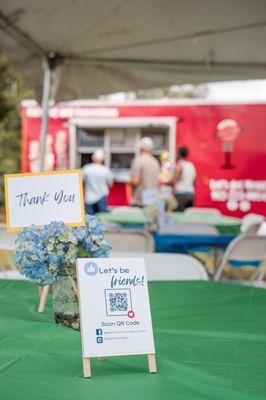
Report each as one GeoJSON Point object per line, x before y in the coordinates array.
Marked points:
{"type": "Point", "coordinates": [12, 91]}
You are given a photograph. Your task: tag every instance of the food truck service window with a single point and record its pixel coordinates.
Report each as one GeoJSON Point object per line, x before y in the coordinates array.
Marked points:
{"type": "Point", "coordinates": [120, 144]}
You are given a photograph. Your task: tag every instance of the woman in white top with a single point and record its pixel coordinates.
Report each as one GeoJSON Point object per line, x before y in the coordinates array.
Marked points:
{"type": "Point", "coordinates": [183, 180]}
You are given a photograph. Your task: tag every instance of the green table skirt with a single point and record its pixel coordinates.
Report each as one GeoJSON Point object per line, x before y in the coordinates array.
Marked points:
{"type": "Point", "coordinates": [210, 341]}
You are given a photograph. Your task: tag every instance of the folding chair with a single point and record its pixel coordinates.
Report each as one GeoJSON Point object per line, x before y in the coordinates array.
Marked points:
{"type": "Point", "coordinates": [245, 249]}
{"type": "Point", "coordinates": [130, 240]}
{"type": "Point", "coordinates": [7, 238]}
{"type": "Point", "coordinates": [167, 266]}
{"type": "Point", "coordinates": [189, 229]}
{"type": "Point", "coordinates": [7, 248]}
{"type": "Point", "coordinates": [252, 229]}
{"type": "Point", "coordinates": [251, 219]}
{"type": "Point", "coordinates": [8, 266]}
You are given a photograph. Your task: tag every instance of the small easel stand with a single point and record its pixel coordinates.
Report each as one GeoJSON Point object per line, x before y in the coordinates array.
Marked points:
{"type": "Point", "coordinates": [87, 365]}
{"type": "Point", "coordinates": [43, 293]}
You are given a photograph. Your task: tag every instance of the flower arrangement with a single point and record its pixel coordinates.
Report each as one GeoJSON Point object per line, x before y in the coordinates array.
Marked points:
{"type": "Point", "coordinates": [42, 254]}
{"type": "Point", "coordinates": [47, 255]}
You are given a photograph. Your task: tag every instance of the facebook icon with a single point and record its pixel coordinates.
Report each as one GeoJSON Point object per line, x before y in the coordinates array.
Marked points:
{"type": "Point", "coordinates": [99, 332]}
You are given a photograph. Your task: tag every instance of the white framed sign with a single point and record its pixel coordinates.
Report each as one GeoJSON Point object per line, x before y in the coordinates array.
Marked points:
{"type": "Point", "coordinates": [114, 309]}
{"type": "Point", "coordinates": [39, 198]}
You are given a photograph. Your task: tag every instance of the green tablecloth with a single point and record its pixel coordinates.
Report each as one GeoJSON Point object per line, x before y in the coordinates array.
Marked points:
{"type": "Point", "coordinates": [224, 224]}
{"type": "Point", "coordinates": [210, 341]}
{"type": "Point", "coordinates": [136, 216]}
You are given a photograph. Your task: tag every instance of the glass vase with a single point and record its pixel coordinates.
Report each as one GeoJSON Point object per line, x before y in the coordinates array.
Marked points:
{"type": "Point", "coordinates": [65, 301]}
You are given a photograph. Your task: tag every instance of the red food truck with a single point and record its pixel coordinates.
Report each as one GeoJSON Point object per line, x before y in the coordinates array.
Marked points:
{"type": "Point", "coordinates": [227, 144]}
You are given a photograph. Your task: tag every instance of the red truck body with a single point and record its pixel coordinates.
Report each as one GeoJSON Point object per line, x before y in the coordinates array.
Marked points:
{"type": "Point", "coordinates": [227, 144]}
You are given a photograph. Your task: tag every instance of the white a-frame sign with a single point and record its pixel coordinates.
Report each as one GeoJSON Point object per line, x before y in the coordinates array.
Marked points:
{"type": "Point", "coordinates": [114, 309]}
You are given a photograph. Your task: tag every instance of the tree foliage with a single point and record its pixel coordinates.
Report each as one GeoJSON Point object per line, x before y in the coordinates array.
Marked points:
{"type": "Point", "coordinates": [12, 91]}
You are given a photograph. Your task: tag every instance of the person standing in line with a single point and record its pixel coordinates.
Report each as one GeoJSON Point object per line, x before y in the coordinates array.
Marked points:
{"type": "Point", "coordinates": [97, 181]}
{"type": "Point", "coordinates": [145, 171]}
{"type": "Point", "coordinates": [184, 179]}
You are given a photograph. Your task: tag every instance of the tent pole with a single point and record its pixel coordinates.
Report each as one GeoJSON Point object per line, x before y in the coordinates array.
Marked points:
{"type": "Point", "coordinates": [45, 113]}
{"type": "Point", "coordinates": [50, 65]}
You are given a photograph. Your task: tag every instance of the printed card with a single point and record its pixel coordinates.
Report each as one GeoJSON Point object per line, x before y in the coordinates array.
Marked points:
{"type": "Point", "coordinates": [114, 307]}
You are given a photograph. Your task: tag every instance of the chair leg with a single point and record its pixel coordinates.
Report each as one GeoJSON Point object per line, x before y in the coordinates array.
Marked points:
{"type": "Point", "coordinates": [215, 255]}
{"type": "Point", "coordinates": [218, 272]}
{"type": "Point", "coordinates": [2, 266]}
{"type": "Point", "coordinates": [260, 273]}
{"type": "Point", "coordinates": [10, 261]}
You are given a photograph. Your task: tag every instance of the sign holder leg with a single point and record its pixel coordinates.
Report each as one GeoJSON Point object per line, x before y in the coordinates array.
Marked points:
{"type": "Point", "coordinates": [152, 363]}
{"type": "Point", "coordinates": [43, 298]}
{"type": "Point", "coordinates": [40, 291]}
{"type": "Point", "coordinates": [86, 367]}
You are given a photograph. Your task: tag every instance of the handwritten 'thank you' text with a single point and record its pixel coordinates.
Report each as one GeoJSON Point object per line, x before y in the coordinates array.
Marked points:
{"type": "Point", "coordinates": [26, 199]}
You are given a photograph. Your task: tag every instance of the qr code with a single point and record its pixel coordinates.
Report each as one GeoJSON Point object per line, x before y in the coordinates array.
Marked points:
{"type": "Point", "coordinates": [118, 302]}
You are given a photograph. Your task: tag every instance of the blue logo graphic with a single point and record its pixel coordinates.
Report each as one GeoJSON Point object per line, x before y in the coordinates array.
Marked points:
{"type": "Point", "coordinates": [91, 268]}
{"type": "Point", "coordinates": [99, 339]}
{"type": "Point", "coordinates": [99, 332]}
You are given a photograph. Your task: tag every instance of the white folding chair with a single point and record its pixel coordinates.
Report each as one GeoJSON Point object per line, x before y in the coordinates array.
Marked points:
{"type": "Point", "coordinates": [252, 229]}
{"type": "Point", "coordinates": [245, 248]}
{"type": "Point", "coordinates": [8, 266]}
{"type": "Point", "coordinates": [251, 219]}
{"type": "Point", "coordinates": [7, 248]}
{"type": "Point", "coordinates": [262, 229]}
{"type": "Point", "coordinates": [12, 275]}
{"type": "Point", "coordinates": [167, 266]}
{"type": "Point", "coordinates": [130, 240]}
{"type": "Point", "coordinates": [7, 238]}
{"type": "Point", "coordinates": [190, 229]}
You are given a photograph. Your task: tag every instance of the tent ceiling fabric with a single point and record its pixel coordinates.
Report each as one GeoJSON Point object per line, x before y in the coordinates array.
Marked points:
{"type": "Point", "coordinates": [112, 45]}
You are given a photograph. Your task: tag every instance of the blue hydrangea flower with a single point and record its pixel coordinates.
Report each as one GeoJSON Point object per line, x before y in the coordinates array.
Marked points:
{"type": "Point", "coordinates": [91, 238]}
{"type": "Point", "coordinates": [42, 254]}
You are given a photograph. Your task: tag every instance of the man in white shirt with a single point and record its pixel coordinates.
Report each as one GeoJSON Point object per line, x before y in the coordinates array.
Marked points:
{"type": "Point", "coordinates": [97, 181]}
{"type": "Point", "coordinates": [184, 180]}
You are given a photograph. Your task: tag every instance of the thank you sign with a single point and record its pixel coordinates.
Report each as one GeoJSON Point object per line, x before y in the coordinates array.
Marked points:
{"type": "Point", "coordinates": [39, 198]}
{"type": "Point", "coordinates": [114, 307]}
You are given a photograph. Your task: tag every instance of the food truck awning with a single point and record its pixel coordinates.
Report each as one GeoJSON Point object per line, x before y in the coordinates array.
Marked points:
{"type": "Point", "coordinates": [112, 45]}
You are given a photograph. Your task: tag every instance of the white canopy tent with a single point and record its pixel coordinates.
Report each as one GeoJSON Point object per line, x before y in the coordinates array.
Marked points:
{"type": "Point", "coordinates": [98, 47]}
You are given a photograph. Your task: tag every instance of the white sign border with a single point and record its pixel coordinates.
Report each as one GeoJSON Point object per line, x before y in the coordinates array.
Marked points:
{"type": "Point", "coordinates": [87, 360]}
